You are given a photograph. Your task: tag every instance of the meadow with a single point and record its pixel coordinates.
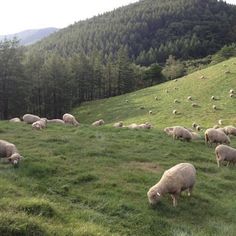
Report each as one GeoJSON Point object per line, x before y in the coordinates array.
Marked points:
{"type": "Point", "coordinates": [94, 180]}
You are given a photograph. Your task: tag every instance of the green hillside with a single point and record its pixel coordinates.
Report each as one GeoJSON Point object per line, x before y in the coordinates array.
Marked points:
{"type": "Point", "coordinates": [217, 83]}
{"type": "Point", "coordinates": [93, 180]}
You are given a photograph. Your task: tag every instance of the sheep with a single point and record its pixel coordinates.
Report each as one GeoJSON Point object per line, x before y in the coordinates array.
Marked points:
{"type": "Point", "coordinates": [213, 98]}
{"type": "Point", "coordinates": [202, 77]}
{"type": "Point", "coordinates": [133, 126]}
{"type": "Point", "coordinates": [40, 124]}
{"type": "Point", "coordinates": [10, 151]}
{"type": "Point", "coordinates": [216, 136]}
{"type": "Point", "coordinates": [198, 128]}
{"type": "Point", "coordinates": [98, 123]}
{"type": "Point", "coordinates": [174, 180]}
{"type": "Point", "coordinates": [16, 120]}
{"type": "Point", "coordinates": [225, 153]}
{"type": "Point", "coordinates": [70, 119]}
{"type": "Point", "coordinates": [194, 125]}
{"type": "Point", "coordinates": [176, 101]}
{"type": "Point", "coordinates": [174, 112]}
{"type": "Point", "coordinates": [189, 98]}
{"type": "Point", "coordinates": [230, 130]}
{"type": "Point", "coordinates": [214, 107]}
{"type": "Point", "coordinates": [181, 133]}
{"type": "Point", "coordinates": [150, 112]}
{"type": "Point", "coordinates": [231, 95]}
{"type": "Point", "coordinates": [169, 131]}
{"type": "Point", "coordinates": [30, 119]}
{"type": "Point", "coordinates": [231, 91]}
{"type": "Point", "coordinates": [118, 124]}
{"type": "Point", "coordinates": [145, 126]}
{"type": "Point", "coordinates": [194, 105]}
{"type": "Point", "coordinates": [56, 121]}
{"type": "Point", "coordinates": [156, 98]}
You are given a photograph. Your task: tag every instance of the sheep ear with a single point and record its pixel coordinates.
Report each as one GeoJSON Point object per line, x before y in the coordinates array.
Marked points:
{"type": "Point", "coordinates": [158, 194]}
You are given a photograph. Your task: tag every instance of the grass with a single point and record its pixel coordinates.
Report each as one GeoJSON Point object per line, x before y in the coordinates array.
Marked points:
{"type": "Point", "coordinates": [93, 181]}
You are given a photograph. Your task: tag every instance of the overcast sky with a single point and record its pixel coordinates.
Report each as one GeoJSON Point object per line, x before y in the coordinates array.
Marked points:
{"type": "Point", "coordinates": [19, 15]}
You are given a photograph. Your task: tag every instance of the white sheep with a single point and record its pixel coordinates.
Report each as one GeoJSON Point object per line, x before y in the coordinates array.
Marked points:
{"type": "Point", "coordinates": [10, 151]}
{"type": "Point", "coordinates": [30, 119]}
{"type": "Point", "coordinates": [174, 112]}
{"type": "Point", "coordinates": [56, 121]}
{"type": "Point", "coordinates": [214, 107]}
{"type": "Point", "coordinates": [174, 180]}
{"type": "Point", "coordinates": [16, 120]}
{"type": "Point", "coordinates": [231, 91]}
{"type": "Point", "coordinates": [40, 124]}
{"type": "Point", "coordinates": [118, 124]}
{"type": "Point", "coordinates": [231, 95]}
{"type": "Point", "coordinates": [213, 98]}
{"type": "Point", "coordinates": [181, 133]}
{"type": "Point", "coordinates": [230, 130]}
{"type": "Point", "coordinates": [190, 98]}
{"type": "Point", "coordinates": [133, 126]}
{"type": "Point", "coordinates": [194, 105]}
{"type": "Point", "coordinates": [176, 101]}
{"type": "Point", "coordinates": [225, 153]}
{"type": "Point", "coordinates": [216, 136]}
{"type": "Point", "coordinates": [70, 119]}
{"type": "Point", "coordinates": [98, 123]}
{"type": "Point", "coordinates": [150, 112]}
{"type": "Point", "coordinates": [145, 126]}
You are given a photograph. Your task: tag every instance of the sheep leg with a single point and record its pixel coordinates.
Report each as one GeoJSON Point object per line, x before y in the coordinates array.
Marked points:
{"type": "Point", "coordinates": [190, 189]}
{"type": "Point", "coordinates": [175, 197]}
{"type": "Point", "coordinates": [228, 163]}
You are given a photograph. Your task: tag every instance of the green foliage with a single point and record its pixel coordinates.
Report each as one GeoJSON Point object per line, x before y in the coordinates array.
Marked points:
{"type": "Point", "coordinates": [151, 30]}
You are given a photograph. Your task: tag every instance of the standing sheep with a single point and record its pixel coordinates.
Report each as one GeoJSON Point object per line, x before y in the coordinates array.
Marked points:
{"type": "Point", "coordinates": [174, 180]}
{"type": "Point", "coordinates": [70, 119]}
{"type": "Point", "coordinates": [225, 153]}
{"type": "Point", "coordinates": [181, 133]}
{"type": "Point", "coordinates": [216, 136]}
{"type": "Point", "coordinates": [30, 119]}
{"type": "Point", "coordinates": [10, 151]}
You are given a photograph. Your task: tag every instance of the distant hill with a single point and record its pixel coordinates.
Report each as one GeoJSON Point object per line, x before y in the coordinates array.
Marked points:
{"type": "Point", "coordinates": [151, 30]}
{"type": "Point", "coordinates": [28, 37]}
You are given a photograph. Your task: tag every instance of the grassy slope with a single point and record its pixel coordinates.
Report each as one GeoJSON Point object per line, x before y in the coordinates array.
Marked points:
{"type": "Point", "coordinates": [93, 181]}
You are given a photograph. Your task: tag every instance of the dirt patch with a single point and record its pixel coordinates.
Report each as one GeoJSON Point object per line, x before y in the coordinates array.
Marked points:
{"type": "Point", "coordinates": [146, 166]}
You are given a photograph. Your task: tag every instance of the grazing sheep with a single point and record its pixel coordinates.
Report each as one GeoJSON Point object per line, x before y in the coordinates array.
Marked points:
{"type": "Point", "coordinates": [225, 153]}
{"type": "Point", "coordinates": [70, 119]}
{"type": "Point", "coordinates": [10, 151]}
{"type": "Point", "coordinates": [231, 95]}
{"type": "Point", "coordinates": [145, 126]}
{"type": "Point", "coordinates": [56, 121]}
{"type": "Point", "coordinates": [230, 130]}
{"type": "Point", "coordinates": [194, 105]}
{"type": "Point", "coordinates": [16, 120]}
{"type": "Point", "coordinates": [216, 136]}
{"type": "Point", "coordinates": [174, 180]}
{"type": "Point", "coordinates": [213, 98]}
{"type": "Point", "coordinates": [118, 124]}
{"type": "Point", "coordinates": [133, 126]}
{"type": "Point", "coordinates": [231, 91]}
{"type": "Point", "coordinates": [98, 123]}
{"type": "Point", "coordinates": [150, 112]}
{"type": "Point", "coordinates": [174, 112]}
{"type": "Point", "coordinates": [176, 101]}
{"type": "Point", "coordinates": [40, 124]}
{"type": "Point", "coordinates": [190, 98]}
{"type": "Point", "coordinates": [30, 119]}
{"type": "Point", "coordinates": [214, 107]}
{"type": "Point", "coordinates": [181, 133]}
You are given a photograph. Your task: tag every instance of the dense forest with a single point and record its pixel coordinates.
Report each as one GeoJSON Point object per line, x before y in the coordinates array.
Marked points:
{"type": "Point", "coordinates": [150, 31]}
{"type": "Point", "coordinates": [118, 52]}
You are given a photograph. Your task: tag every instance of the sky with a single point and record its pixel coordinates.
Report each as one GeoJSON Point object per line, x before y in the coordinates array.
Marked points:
{"type": "Point", "coordinates": [19, 15]}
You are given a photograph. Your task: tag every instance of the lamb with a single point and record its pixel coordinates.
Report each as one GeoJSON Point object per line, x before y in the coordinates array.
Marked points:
{"type": "Point", "coordinates": [118, 124]}
{"type": "Point", "coordinates": [174, 180]}
{"type": "Point", "coordinates": [56, 121]}
{"type": "Point", "coordinates": [16, 120]}
{"type": "Point", "coordinates": [40, 124]}
{"type": "Point", "coordinates": [216, 136]}
{"type": "Point", "coordinates": [230, 130]}
{"type": "Point", "coordinates": [181, 133]}
{"type": "Point", "coordinates": [10, 151]}
{"type": "Point", "coordinates": [225, 153]}
{"type": "Point", "coordinates": [70, 119]}
{"type": "Point", "coordinates": [98, 123]}
{"type": "Point", "coordinates": [30, 119]}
